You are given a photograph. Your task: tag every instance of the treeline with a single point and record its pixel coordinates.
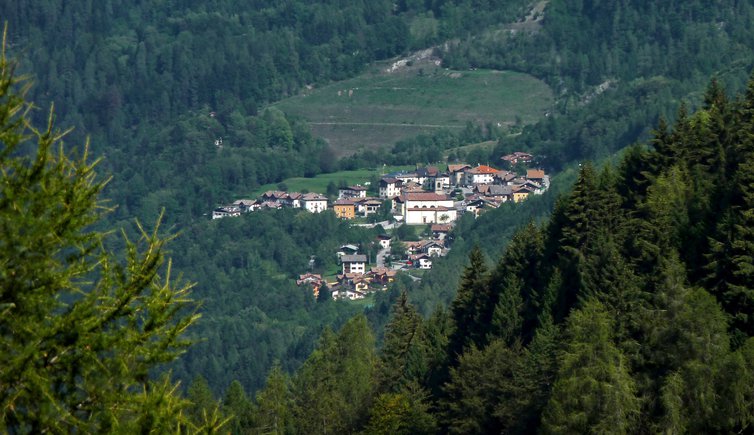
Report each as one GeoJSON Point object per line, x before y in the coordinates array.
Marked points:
{"type": "Point", "coordinates": [629, 311]}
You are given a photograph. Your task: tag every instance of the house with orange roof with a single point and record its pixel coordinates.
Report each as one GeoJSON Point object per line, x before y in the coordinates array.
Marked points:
{"type": "Point", "coordinates": [482, 174]}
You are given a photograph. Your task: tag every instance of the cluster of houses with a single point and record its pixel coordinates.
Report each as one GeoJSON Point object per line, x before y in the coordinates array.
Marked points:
{"type": "Point", "coordinates": [355, 281]}
{"type": "Point", "coordinates": [425, 196]}
{"type": "Point", "coordinates": [352, 202]}
{"type": "Point", "coordinates": [311, 202]}
{"type": "Point", "coordinates": [357, 277]}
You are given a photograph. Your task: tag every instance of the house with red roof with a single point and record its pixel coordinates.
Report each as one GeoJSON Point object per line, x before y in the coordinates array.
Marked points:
{"type": "Point", "coordinates": [482, 174]}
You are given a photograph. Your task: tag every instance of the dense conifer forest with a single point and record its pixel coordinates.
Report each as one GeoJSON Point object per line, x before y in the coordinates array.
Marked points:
{"type": "Point", "coordinates": [627, 309]}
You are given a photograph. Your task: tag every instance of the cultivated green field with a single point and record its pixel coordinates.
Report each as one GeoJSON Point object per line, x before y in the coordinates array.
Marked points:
{"type": "Point", "coordinates": [319, 183]}
{"type": "Point", "coordinates": [416, 96]}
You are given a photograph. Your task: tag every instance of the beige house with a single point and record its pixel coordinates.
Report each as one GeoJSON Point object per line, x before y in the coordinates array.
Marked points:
{"type": "Point", "coordinates": [426, 208]}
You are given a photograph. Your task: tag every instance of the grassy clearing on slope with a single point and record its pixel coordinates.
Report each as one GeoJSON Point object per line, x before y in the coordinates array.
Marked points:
{"type": "Point", "coordinates": [484, 146]}
{"type": "Point", "coordinates": [380, 107]}
{"type": "Point", "coordinates": [319, 183]}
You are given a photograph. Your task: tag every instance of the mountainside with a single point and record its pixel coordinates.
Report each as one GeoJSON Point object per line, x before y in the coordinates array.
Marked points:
{"type": "Point", "coordinates": [178, 97]}
{"type": "Point", "coordinates": [628, 311]}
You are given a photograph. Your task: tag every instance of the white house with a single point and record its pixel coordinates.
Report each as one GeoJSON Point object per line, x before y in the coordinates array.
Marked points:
{"type": "Point", "coordinates": [480, 175]}
{"type": "Point", "coordinates": [420, 208]}
{"type": "Point", "coordinates": [226, 211]}
{"type": "Point", "coordinates": [346, 293]}
{"type": "Point", "coordinates": [314, 202]}
{"type": "Point", "coordinates": [246, 205]}
{"type": "Point", "coordinates": [292, 199]}
{"type": "Point", "coordinates": [384, 241]}
{"type": "Point", "coordinates": [354, 263]}
{"type": "Point", "coordinates": [421, 261]}
{"type": "Point", "coordinates": [390, 187]}
{"type": "Point", "coordinates": [352, 192]}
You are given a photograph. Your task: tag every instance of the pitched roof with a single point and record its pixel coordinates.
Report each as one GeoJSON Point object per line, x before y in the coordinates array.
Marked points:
{"type": "Point", "coordinates": [483, 169]}
{"type": "Point", "coordinates": [429, 171]}
{"type": "Point", "coordinates": [458, 167]}
{"type": "Point", "coordinates": [358, 258]}
{"type": "Point", "coordinates": [536, 174]}
{"type": "Point", "coordinates": [357, 188]}
{"type": "Point", "coordinates": [498, 190]}
{"type": "Point", "coordinates": [244, 202]}
{"type": "Point", "coordinates": [313, 197]}
{"type": "Point", "coordinates": [345, 202]}
{"type": "Point", "coordinates": [423, 196]}
{"type": "Point", "coordinates": [441, 228]}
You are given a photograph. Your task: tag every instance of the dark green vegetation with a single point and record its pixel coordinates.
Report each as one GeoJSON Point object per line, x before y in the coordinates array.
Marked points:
{"type": "Point", "coordinates": [615, 67]}
{"type": "Point", "coordinates": [254, 314]}
{"type": "Point", "coordinates": [144, 79]}
{"type": "Point", "coordinates": [381, 107]}
{"type": "Point", "coordinates": [628, 311]}
{"type": "Point", "coordinates": [156, 84]}
{"type": "Point", "coordinates": [82, 326]}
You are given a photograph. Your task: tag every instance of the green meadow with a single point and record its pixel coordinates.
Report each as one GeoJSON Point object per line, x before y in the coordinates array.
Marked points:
{"type": "Point", "coordinates": [320, 182]}
{"type": "Point", "coordinates": [379, 107]}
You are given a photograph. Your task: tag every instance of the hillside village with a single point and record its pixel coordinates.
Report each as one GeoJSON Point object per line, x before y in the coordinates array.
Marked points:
{"type": "Point", "coordinates": [425, 196]}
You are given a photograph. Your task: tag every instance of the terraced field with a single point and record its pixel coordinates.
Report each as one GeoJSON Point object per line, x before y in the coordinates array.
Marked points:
{"type": "Point", "coordinates": [414, 95]}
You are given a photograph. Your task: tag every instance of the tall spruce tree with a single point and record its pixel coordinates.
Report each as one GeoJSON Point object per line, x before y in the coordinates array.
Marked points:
{"type": "Point", "coordinates": [402, 359]}
{"type": "Point", "coordinates": [593, 391]}
{"type": "Point", "coordinates": [472, 308]}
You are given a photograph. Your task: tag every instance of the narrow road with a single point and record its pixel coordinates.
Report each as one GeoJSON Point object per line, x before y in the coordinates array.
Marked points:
{"type": "Point", "coordinates": [381, 257]}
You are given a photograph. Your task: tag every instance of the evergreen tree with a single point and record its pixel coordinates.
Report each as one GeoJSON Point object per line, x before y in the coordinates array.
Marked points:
{"type": "Point", "coordinates": [82, 326]}
{"type": "Point", "coordinates": [483, 382]}
{"type": "Point", "coordinates": [203, 408]}
{"type": "Point", "coordinates": [333, 388]}
{"type": "Point", "coordinates": [593, 391]}
{"type": "Point", "coordinates": [470, 307]}
{"type": "Point", "coordinates": [401, 413]}
{"type": "Point", "coordinates": [237, 407]}
{"type": "Point", "coordinates": [401, 359]}
{"type": "Point", "coordinates": [517, 280]}
{"type": "Point", "coordinates": [272, 414]}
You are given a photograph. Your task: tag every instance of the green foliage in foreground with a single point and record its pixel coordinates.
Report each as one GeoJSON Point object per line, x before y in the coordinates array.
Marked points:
{"type": "Point", "coordinates": [82, 327]}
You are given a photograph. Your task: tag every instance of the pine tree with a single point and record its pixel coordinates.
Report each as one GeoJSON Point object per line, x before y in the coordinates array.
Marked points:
{"type": "Point", "coordinates": [272, 414]}
{"type": "Point", "coordinates": [333, 388]}
{"type": "Point", "coordinates": [519, 271]}
{"type": "Point", "coordinates": [483, 380]}
{"type": "Point", "coordinates": [237, 407]}
{"type": "Point", "coordinates": [82, 327]}
{"type": "Point", "coordinates": [401, 359]}
{"type": "Point", "coordinates": [468, 308]}
{"type": "Point", "coordinates": [401, 413]}
{"type": "Point", "coordinates": [593, 391]}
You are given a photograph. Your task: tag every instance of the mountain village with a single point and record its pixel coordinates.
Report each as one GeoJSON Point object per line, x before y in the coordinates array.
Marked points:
{"type": "Point", "coordinates": [425, 196]}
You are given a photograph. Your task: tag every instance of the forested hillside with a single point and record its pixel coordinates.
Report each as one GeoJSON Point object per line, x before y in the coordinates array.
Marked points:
{"type": "Point", "coordinates": [628, 311]}
{"type": "Point", "coordinates": [158, 84]}
{"type": "Point", "coordinates": [650, 59]}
